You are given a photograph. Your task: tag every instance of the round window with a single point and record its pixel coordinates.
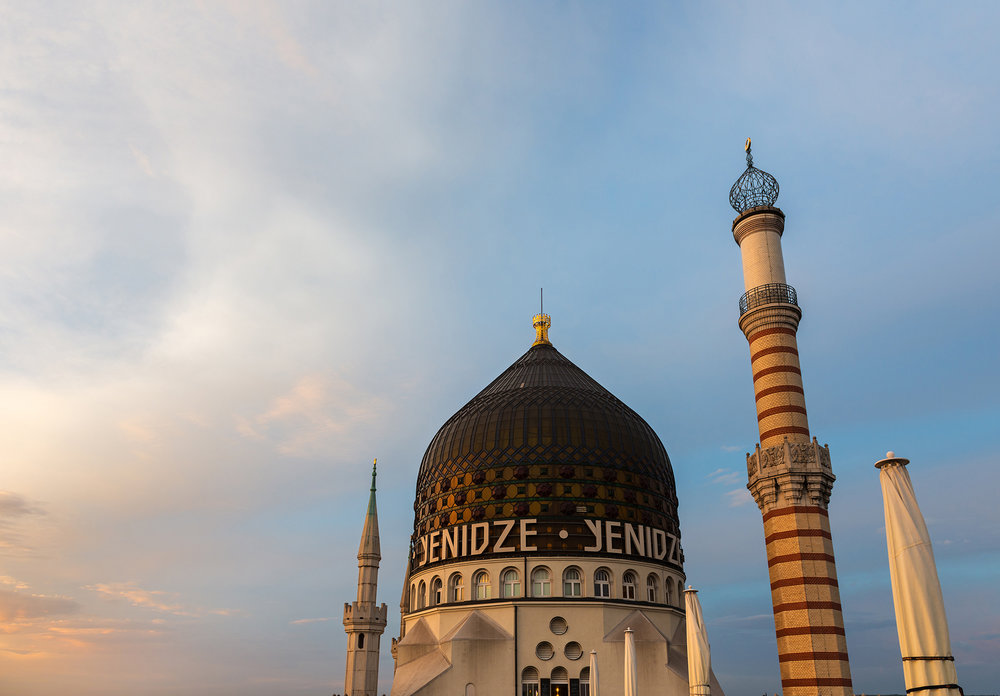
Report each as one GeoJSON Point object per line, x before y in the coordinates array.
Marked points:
{"type": "Point", "coordinates": [558, 625]}
{"type": "Point", "coordinates": [544, 650]}
{"type": "Point", "coordinates": [573, 651]}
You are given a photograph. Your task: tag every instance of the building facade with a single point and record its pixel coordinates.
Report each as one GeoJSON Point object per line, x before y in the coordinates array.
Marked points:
{"type": "Point", "coordinates": [545, 526]}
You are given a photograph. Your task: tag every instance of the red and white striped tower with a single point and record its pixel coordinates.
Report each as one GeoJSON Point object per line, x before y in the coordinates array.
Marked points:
{"type": "Point", "coordinates": [788, 474]}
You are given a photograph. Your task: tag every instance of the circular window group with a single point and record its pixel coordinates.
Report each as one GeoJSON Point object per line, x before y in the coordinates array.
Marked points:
{"type": "Point", "coordinates": [545, 651]}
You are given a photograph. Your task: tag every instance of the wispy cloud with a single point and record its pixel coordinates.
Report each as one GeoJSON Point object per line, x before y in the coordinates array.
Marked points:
{"type": "Point", "coordinates": [308, 621]}
{"type": "Point", "coordinates": [304, 420]}
{"type": "Point", "coordinates": [725, 477]}
{"type": "Point", "coordinates": [738, 497]}
{"type": "Point", "coordinates": [19, 606]}
{"type": "Point", "coordinates": [156, 600]}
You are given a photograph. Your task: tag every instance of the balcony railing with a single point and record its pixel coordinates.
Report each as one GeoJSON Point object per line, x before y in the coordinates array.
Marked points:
{"type": "Point", "coordinates": [769, 293]}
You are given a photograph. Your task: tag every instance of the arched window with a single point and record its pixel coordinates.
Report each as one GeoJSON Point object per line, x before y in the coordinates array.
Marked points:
{"type": "Point", "coordinates": [628, 585]}
{"type": "Point", "coordinates": [651, 586]}
{"type": "Point", "coordinates": [529, 682]}
{"type": "Point", "coordinates": [541, 583]}
{"type": "Point", "coordinates": [510, 583]}
{"type": "Point", "coordinates": [668, 592]}
{"type": "Point", "coordinates": [560, 676]}
{"type": "Point", "coordinates": [602, 583]}
{"type": "Point", "coordinates": [572, 582]}
{"type": "Point", "coordinates": [585, 681]}
{"type": "Point", "coordinates": [413, 597]}
{"type": "Point", "coordinates": [422, 595]}
{"type": "Point", "coordinates": [680, 593]}
{"type": "Point", "coordinates": [456, 589]}
{"type": "Point", "coordinates": [361, 641]}
{"type": "Point", "coordinates": [482, 582]}
{"type": "Point", "coordinates": [436, 591]}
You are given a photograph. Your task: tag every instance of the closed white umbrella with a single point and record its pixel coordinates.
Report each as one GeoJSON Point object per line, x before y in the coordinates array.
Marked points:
{"type": "Point", "coordinates": [631, 677]}
{"type": "Point", "coordinates": [593, 674]}
{"type": "Point", "coordinates": [928, 666]}
{"type": "Point", "coordinates": [699, 655]}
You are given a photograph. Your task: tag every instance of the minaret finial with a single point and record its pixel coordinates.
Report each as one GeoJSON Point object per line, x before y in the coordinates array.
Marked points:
{"type": "Point", "coordinates": [541, 322]}
{"type": "Point", "coordinates": [374, 466]}
{"type": "Point", "coordinates": [754, 188]}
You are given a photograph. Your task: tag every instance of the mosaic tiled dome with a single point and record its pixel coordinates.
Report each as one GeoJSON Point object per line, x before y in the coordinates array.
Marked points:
{"type": "Point", "coordinates": [545, 440]}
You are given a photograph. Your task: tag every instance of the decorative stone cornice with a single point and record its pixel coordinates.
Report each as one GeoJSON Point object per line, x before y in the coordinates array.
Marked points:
{"type": "Point", "coordinates": [758, 219]}
{"type": "Point", "coordinates": [770, 315]}
{"type": "Point", "coordinates": [793, 473]}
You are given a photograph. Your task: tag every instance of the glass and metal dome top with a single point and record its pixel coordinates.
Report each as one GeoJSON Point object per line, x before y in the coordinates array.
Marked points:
{"type": "Point", "coordinates": [545, 442]}
{"type": "Point", "coordinates": [754, 188]}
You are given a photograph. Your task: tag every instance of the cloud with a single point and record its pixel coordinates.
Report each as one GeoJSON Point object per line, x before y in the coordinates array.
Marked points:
{"type": "Point", "coordinates": [738, 497]}
{"type": "Point", "coordinates": [13, 505]}
{"type": "Point", "coordinates": [308, 621]}
{"type": "Point", "coordinates": [308, 418]}
{"type": "Point", "coordinates": [17, 606]}
{"type": "Point", "coordinates": [725, 477]}
{"type": "Point", "coordinates": [157, 600]}
{"type": "Point", "coordinates": [14, 510]}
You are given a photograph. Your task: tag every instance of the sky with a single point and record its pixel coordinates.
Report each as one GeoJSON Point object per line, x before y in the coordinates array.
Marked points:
{"type": "Point", "coordinates": [247, 247]}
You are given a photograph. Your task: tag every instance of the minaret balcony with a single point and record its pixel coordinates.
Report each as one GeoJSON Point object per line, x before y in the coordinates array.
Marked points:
{"type": "Point", "coordinates": [769, 293]}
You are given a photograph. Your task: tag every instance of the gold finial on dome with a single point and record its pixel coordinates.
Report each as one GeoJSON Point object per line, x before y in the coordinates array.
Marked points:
{"type": "Point", "coordinates": [541, 322]}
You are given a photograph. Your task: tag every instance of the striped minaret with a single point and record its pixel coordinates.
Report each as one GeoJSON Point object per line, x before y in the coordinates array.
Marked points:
{"type": "Point", "coordinates": [788, 474]}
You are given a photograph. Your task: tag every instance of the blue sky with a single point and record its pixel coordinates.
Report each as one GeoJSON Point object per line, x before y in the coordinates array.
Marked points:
{"type": "Point", "coordinates": [246, 247]}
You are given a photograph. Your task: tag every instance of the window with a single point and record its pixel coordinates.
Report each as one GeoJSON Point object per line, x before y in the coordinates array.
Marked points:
{"type": "Point", "coordinates": [482, 582]}
{"type": "Point", "coordinates": [510, 584]}
{"type": "Point", "coordinates": [585, 681]}
{"type": "Point", "coordinates": [668, 599]}
{"type": "Point", "coordinates": [413, 597]}
{"type": "Point", "coordinates": [541, 583]}
{"type": "Point", "coordinates": [602, 583]}
{"type": "Point", "coordinates": [680, 593]}
{"type": "Point", "coordinates": [422, 595]}
{"type": "Point", "coordinates": [361, 641]}
{"type": "Point", "coordinates": [572, 585]}
{"type": "Point", "coordinates": [436, 591]}
{"type": "Point", "coordinates": [651, 585]}
{"type": "Point", "coordinates": [456, 589]}
{"type": "Point", "coordinates": [628, 585]}
{"type": "Point", "coordinates": [529, 682]}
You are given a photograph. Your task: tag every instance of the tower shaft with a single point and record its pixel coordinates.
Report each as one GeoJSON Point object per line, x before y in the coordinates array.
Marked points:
{"type": "Point", "coordinates": [788, 474]}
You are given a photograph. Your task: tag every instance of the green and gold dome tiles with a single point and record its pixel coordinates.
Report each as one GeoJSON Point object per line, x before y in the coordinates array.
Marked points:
{"type": "Point", "coordinates": [545, 440]}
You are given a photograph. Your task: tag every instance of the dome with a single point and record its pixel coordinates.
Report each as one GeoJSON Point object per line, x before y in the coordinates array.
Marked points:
{"type": "Point", "coordinates": [545, 441]}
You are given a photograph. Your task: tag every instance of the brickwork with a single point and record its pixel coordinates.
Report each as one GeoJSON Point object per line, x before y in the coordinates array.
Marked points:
{"type": "Point", "coordinates": [791, 478]}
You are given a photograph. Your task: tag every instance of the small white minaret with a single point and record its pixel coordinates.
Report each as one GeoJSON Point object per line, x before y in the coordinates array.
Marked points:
{"type": "Point", "coordinates": [364, 620]}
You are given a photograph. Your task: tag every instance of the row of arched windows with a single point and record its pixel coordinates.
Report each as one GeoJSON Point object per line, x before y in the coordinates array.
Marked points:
{"type": "Point", "coordinates": [559, 680]}
{"type": "Point", "coordinates": [541, 586]}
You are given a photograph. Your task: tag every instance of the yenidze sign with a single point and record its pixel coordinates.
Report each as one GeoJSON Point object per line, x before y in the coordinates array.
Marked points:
{"type": "Point", "coordinates": [603, 537]}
